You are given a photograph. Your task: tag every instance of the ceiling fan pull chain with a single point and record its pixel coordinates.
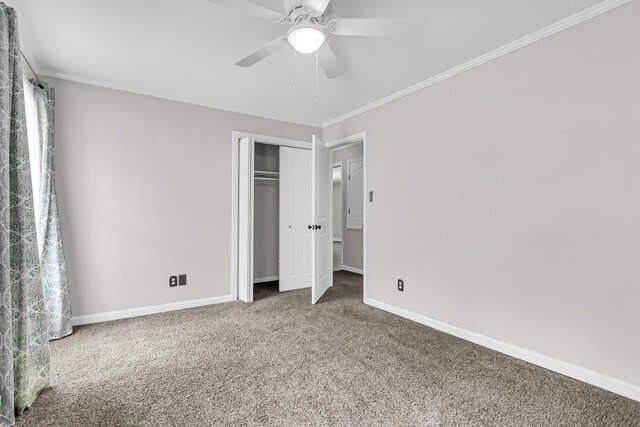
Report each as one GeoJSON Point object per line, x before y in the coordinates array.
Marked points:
{"type": "Point", "coordinates": [294, 62]}
{"type": "Point", "coordinates": [316, 76]}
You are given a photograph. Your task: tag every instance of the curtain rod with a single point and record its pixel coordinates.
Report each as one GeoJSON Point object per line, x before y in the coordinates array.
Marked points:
{"type": "Point", "coordinates": [32, 71]}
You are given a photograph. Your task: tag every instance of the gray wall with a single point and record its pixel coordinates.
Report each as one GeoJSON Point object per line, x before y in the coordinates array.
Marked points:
{"type": "Point", "coordinates": [508, 197]}
{"type": "Point", "coordinates": [351, 238]}
{"type": "Point", "coordinates": [144, 188]}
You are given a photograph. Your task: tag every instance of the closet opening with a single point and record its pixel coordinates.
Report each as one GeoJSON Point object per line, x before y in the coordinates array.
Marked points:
{"type": "Point", "coordinates": [266, 220]}
{"type": "Point", "coordinates": [298, 216]}
{"type": "Point", "coordinates": [271, 245]}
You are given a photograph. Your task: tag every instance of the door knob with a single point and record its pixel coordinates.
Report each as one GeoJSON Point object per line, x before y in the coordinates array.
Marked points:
{"type": "Point", "coordinates": [318, 227]}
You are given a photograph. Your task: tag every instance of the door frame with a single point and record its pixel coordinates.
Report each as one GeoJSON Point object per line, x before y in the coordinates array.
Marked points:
{"type": "Point", "coordinates": [334, 164]}
{"type": "Point", "coordinates": [357, 138]}
{"type": "Point", "coordinates": [236, 136]}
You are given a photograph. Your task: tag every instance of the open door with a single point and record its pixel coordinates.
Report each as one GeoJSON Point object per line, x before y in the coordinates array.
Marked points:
{"type": "Point", "coordinates": [295, 217]}
{"type": "Point", "coordinates": [245, 220]}
{"type": "Point", "coordinates": [321, 211]}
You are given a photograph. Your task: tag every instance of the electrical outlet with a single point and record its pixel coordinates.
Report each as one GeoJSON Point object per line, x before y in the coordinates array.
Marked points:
{"type": "Point", "coordinates": [173, 281]}
{"type": "Point", "coordinates": [401, 285]}
{"type": "Point", "coordinates": [182, 279]}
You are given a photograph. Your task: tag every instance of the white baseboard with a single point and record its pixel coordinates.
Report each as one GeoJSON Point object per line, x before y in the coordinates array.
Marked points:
{"type": "Point", "coordinates": [143, 311]}
{"type": "Point", "coordinates": [266, 279]}
{"type": "Point", "coordinates": [352, 269]}
{"type": "Point", "coordinates": [588, 376]}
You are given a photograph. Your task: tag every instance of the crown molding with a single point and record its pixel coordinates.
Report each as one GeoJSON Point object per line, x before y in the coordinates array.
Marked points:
{"type": "Point", "coordinates": [561, 25]}
{"type": "Point", "coordinates": [122, 88]}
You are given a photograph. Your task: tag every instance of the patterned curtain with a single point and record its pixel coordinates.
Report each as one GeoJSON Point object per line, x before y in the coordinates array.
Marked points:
{"type": "Point", "coordinates": [24, 338]}
{"type": "Point", "coordinates": [54, 273]}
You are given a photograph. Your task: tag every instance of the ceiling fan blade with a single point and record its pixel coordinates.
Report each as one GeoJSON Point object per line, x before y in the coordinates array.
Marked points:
{"type": "Point", "coordinates": [252, 9]}
{"type": "Point", "coordinates": [329, 62]}
{"type": "Point", "coordinates": [262, 53]}
{"type": "Point", "coordinates": [318, 6]}
{"type": "Point", "coordinates": [370, 27]}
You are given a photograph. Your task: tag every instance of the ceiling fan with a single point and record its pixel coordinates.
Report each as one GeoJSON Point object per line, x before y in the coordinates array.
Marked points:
{"type": "Point", "coordinates": [307, 32]}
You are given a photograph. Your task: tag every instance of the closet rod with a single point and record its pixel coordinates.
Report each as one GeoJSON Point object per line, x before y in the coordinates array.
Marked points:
{"type": "Point", "coordinates": [265, 178]}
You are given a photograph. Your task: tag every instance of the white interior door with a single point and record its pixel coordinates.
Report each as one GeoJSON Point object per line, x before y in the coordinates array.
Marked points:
{"type": "Point", "coordinates": [322, 235]}
{"type": "Point", "coordinates": [295, 217]}
{"type": "Point", "coordinates": [245, 219]}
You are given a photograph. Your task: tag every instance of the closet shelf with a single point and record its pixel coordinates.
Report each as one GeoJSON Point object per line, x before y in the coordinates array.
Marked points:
{"type": "Point", "coordinates": [267, 173]}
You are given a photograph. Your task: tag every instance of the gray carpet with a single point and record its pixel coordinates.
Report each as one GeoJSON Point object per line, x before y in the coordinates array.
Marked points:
{"type": "Point", "coordinates": [283, 362]}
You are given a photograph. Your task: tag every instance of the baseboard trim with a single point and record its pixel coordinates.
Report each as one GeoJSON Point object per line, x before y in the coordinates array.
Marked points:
{"type": "Point", "coordinates": [352, 269]}
{"type": "Point", "coordinates": [266, 279]}
{"type": "Point", "coordinates": [579, 373]}
{"type": "Point", "coordinates": [143, 311]}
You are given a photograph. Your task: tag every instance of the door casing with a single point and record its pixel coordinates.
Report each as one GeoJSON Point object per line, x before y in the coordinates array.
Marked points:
{"type": "Point", "coordinates": [342, 143]}
{"type": "Point", "coordinates": [265, 139]}
{"type": "Point", "coordinates": [236, 136]}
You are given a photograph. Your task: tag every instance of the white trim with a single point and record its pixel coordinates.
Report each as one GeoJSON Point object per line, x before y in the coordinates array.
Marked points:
{"type": "Point", "coordinates": [273, 140]}
{"type": "Point", "coordinates": [340, 240]}
{"type": "Point", "coordinates": [234, 214]}
{"type": "Point", "coordinates": [265, 279]}
{"type": "Point", "coordinates": [561, 25]}
{"type": "Point", "coordinates": [577, 372]}
{"type": "Point", "coordinates": [347, 141]}
{"type": "Point", "coordinates": [352, 269]}
{"type": "Point", "coordinates": [337, 144]}
{"type": "Point", "coordinates": [357, 138]}
{"type": "Point", "coordinates": [143, 311]}
{"type": "Point", "coordinates": [263, 139]}
{"type": "Point", "coordinates": [124, 88]}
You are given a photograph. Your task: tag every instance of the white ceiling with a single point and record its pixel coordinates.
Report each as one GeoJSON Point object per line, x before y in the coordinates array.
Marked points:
{"type": "Point", "coordinates": [186, 49]}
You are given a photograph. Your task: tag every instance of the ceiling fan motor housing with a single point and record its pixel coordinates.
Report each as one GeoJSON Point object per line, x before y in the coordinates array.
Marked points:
{"type": "Point", "coordinates": [296, 12]}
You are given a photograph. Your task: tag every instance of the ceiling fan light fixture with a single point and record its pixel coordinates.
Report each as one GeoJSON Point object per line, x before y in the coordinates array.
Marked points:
{"type": "Point", "coordinates": [305, 39]}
